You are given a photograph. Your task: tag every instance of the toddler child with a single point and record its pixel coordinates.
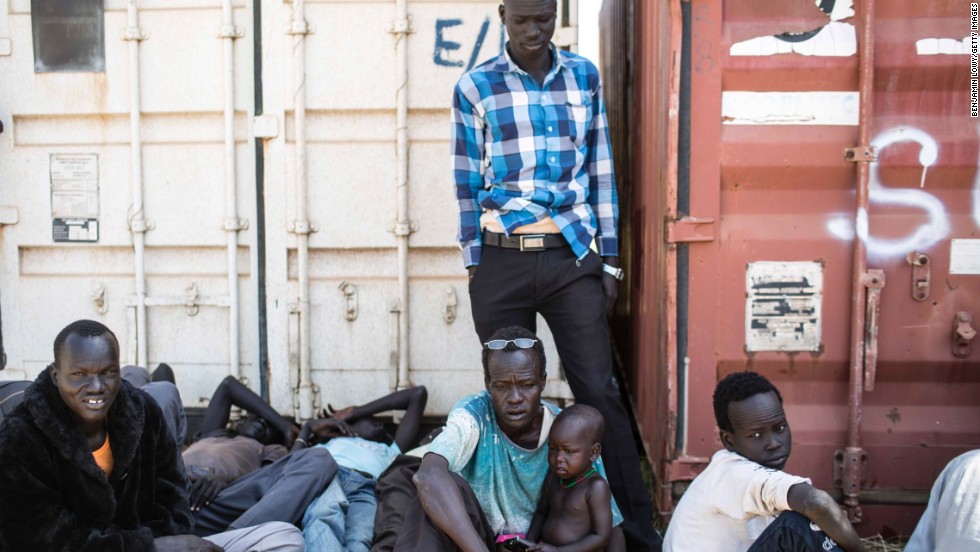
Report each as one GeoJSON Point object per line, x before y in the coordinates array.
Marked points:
{"type": "Point", "coordinates": [574, 511]}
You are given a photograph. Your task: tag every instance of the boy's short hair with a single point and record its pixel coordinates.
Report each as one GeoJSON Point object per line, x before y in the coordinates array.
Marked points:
{"type": "Point", "coordinates": [84, 328]}
{"type": "Point", "coordinates": [586, 417]}
{"type": "Point", "coordinates": [516, 332]}
{"type": "Point", "coordinates": [738, 387]}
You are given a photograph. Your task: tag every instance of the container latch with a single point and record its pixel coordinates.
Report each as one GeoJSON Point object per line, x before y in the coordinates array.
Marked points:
{"type": "Point", "coordinates": [963, 334]}
{"type": "Point", "coordinates": [921, 275]}
{"type": "Point", "coordinates": [350, 299]}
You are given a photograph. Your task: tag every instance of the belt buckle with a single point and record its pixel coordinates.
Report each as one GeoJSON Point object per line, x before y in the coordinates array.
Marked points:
{"type": "Point", "coordinates": [532, 242]}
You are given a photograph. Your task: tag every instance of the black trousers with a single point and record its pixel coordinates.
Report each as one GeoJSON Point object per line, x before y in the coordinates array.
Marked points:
{"type": "Point", "coordinates": [792, 532]}
{"type": "Point", "coordinates": [400, 523]}
{"type": "Point", "coordinates": [508, 289]}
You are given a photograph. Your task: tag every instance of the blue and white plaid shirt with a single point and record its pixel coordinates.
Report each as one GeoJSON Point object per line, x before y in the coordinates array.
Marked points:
{"type": "Point", "coordinates": [526, 152]}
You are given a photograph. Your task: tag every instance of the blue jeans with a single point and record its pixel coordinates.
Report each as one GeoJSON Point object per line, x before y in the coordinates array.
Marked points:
{"type": "Point", "coordinates": [793, 532]}
{"type": "Point", "coordinates": [342, 518]}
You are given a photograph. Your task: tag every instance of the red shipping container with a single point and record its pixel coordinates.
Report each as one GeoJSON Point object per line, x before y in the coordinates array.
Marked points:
{"type": "Point", "coordinates": [801, 197]}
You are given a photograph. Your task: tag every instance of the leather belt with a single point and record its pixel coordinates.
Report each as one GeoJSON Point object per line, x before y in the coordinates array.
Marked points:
{"type": "Point", "coordinates": [524, 242]}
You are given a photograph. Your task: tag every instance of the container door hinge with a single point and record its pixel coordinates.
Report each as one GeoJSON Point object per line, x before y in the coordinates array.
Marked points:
{"type": "Point", "coordinates": [861, 154]}
{"type": "Point", "coordinates": [850, 476]}
{"type": "Point", "coordinates": [690, 229]}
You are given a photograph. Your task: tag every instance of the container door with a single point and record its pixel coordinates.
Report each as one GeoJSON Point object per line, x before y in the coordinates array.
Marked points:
{"type": "Point", "coordinates": [343, 118]}
{"type": "Point", "coordinates": [774, 105]}
{"type": "Point", "coordinates": [128, 143]}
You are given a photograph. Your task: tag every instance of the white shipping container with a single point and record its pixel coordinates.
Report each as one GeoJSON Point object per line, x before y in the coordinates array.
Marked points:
{"type": "Point", "coordinates": [179, 278]}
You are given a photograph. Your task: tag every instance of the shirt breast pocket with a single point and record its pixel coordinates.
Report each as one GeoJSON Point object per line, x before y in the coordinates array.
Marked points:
{"type": "Point", "coordinates": [579, 115]}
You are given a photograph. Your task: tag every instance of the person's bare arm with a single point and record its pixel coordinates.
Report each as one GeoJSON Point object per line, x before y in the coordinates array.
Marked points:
{"type": "Point", "coordinates": [321, 430]}
{"type": "Point", "coordinates": [541, 512]}
{"type": "Point", "coordinates": [443, 503]}
{"type": "Point", "coordinates": [820, 508]}
{"type": "Point", "coordinates": [412, 401]}
{"type": "Point", "coordinates": [231, 392]}
{"type": "Point", "coordinates": [600, 512]}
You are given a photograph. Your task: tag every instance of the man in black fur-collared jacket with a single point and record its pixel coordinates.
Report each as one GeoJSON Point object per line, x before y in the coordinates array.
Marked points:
{"type": "Point", "coordinates": [87, 462]}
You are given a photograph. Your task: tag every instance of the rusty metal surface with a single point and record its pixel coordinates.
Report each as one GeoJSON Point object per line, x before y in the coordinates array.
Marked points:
{"type": "Point", "coordinates": [648, 191]}
{"type": "Point", "coordinates": [854, 473]}
{"type": "Point", "coordinates": [785, 192]}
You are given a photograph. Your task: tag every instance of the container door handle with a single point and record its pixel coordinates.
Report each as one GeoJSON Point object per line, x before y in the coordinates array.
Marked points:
{"type": "Point", "coordinates": [874, 280]}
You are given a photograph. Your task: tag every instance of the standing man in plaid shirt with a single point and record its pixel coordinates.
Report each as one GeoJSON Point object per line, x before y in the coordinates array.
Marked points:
{"type": "Point", "coordinates": [534, 180]}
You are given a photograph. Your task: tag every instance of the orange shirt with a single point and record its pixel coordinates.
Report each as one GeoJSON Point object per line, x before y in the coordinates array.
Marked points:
{"type": "Point", "coordinates": [103, 456]}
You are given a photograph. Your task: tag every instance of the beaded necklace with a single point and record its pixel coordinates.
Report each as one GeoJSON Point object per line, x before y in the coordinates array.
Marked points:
{"type": "Point", "coordinates": [561, 480]}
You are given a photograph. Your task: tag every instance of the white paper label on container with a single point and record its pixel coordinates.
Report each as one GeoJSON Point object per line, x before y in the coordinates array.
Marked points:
{"type": "Point", "coordinates": [74, 196]}
{"type": "Point", "coordinates": [783, 305]}
{"type": "Point", "coordinates": [964, 257]}
{"type": "Point", "coordinates": [789, 108]}
{"type": "Point", "coordinates": [74, 230]}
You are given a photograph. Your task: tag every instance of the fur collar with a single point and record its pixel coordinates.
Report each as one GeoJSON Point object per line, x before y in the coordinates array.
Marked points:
{"type": "Point", "coordinates": [54, 419]}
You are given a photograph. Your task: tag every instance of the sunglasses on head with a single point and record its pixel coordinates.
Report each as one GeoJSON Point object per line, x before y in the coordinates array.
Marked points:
{"type": "Point", "coordinates": [520, 343]}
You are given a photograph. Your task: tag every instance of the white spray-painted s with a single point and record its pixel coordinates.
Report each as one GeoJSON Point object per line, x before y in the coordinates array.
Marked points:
{"type": "Point", "coordinates": [926, 235]}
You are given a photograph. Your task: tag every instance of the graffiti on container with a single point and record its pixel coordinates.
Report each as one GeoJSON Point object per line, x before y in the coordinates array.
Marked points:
{"type": "Point", "coordinates": [935, 229]}
{"type": "Point", "coordinates": [446, 48]}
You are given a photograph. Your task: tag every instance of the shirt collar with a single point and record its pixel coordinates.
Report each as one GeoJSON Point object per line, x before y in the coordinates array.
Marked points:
{"type": "Point", "coordinates": [506, 64]}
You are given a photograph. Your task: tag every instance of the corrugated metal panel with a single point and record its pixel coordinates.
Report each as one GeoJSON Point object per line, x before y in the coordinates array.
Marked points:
{"type": "Point", "coordinates": [769, 120]}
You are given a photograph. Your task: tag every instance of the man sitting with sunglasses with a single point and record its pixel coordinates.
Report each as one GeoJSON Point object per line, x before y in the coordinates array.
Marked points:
{"type": "Point", "coordinates": [480, 480]}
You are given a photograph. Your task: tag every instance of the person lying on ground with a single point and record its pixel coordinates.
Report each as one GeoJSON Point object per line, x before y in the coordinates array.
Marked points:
{"type": "Point", "coordinates": [220, 455]}
{"type": "Point", "coordinates": [247, 476]}
{"type": "Point", "coordinates": [573, 514]}
{"type": "Point", "coordinates": [90, 464]}
{"type": "Point", "coordinates": [342, 518]}
{"type": "Point", "coordinates": [483, 474]}
{"type": "Point", "coordinates": [162, 387]}
{"type": "Point", "coordinates": [951, 522]}
{"type": "Point", "coordinates": [743, 500]}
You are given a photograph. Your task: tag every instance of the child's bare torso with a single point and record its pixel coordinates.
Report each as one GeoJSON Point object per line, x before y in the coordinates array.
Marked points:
{"type": "Point", "coordinates": [569, 518]}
